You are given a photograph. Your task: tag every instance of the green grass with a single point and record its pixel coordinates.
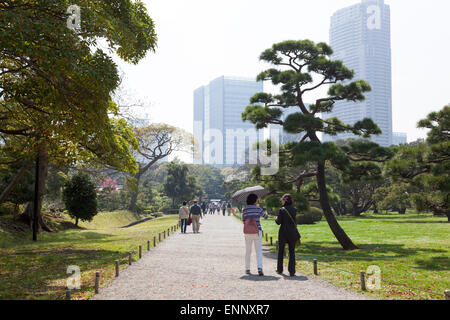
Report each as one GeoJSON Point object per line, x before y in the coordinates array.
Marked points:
{"type": "Point", "coordinates": [411, 250]}
{"type": "Point", "coordinates": [31, 270]}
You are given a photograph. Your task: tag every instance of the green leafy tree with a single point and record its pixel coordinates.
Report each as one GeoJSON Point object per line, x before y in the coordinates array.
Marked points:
{"type": "Point", "coordinates": [210, 180]}
{"type": "Point", "coordinates": [156, 142]}
{"type": "Point", "coordinates": [395, 197]}
{"type": "Point", "coordinates": [180, 185]}
{"type": "Point", "coordinates": [80, 197]}
{"type": "Point", "coordinates": [56, 84]}
{"type": "Point", "coordinates": [426, 166]}
{"type": "Point", "coordinates": [298, 64]}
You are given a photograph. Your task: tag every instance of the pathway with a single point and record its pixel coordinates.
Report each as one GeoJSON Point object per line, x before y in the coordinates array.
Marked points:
{"type": "Point", "coordinates": [210, 266]}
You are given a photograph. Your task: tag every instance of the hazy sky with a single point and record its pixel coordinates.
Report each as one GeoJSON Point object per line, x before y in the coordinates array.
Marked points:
{"type": "Point", "coordinates": [200, 40]}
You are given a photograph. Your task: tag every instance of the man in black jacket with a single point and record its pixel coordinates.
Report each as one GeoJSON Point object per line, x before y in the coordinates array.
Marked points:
{"type": "Point", "coordinates": [196, 212]}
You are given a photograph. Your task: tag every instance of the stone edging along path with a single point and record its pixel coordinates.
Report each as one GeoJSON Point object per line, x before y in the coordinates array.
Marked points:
{"type": "Point", "coordinates": [210, 266]}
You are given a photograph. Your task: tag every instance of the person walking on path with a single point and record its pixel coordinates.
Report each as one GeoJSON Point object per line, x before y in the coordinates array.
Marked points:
{"type": "Point", "coordinates": [196, 213]}
{"type": "Point", "coordinates": [203, 206]}
{"type": "Point", "coordinates": [229, 208]}
{"type": "Point", "coordinates": [253, 232]}
{"type": "Point", "coordinates": [224, 208]}
{"type": "Point", "coordinates": [288, 233]}
{"type": "Point", "coordinates": [183, 215]}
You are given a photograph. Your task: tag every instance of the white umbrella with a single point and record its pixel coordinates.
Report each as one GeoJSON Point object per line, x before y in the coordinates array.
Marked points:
{"type": "Point", "coordinates": [241, 195]}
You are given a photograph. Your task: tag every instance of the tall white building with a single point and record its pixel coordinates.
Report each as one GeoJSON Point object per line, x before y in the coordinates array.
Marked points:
{"type": "Point", "coordinates": [221, 135]}
{"type": "Point", "coordinates": [360, 36]}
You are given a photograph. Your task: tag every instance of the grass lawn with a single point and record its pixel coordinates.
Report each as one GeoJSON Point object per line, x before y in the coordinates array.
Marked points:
{"type": "Point", "coordinates": [38, 270]}
{"type": "Point", "coordinates": [411, 250]}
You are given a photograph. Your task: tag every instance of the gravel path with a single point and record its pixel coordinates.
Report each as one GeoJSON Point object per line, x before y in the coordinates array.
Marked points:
{"type": "Point", "coordinates": [210, 266]}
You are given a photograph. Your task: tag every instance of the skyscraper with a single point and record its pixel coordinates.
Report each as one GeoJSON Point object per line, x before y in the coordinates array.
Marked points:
{"type": "Point", "coordinates": [399, 138]}
{"type": "Point", "coordinates": [360, 36]}
{"type": "Point", "coordinates": [221, 135]}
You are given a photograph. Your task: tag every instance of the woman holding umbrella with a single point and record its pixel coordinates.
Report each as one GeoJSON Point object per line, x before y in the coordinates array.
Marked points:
{"type": "Point", "coordinates": [252, 227]}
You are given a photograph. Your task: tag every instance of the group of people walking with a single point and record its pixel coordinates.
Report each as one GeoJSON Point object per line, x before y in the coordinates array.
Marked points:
{"type": "Point", "coordinates": [212, 208]}
{"type": "Point", "coordinates": [194, 213]}
{"type": "Point", "coordinates": [252, 214]}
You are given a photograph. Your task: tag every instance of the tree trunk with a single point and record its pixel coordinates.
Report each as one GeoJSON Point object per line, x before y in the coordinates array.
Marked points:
{"type": "Point", "coordinates": [133, 201]}
{"type": "Point", "coordinates": [29, 215]}
{"type": "Point", "coordinates": [375, 208]}
{"type": "Point", "coordinates": [356, 210]}
{"type": "Point", "coordinates": [338, 232]}
{"type": "Point", "coordinates": [76, 221]}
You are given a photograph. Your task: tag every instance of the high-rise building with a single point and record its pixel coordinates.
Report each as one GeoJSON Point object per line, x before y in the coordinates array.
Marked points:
{"type": "Point", "coordinates": [360, 36]}
{"type": "Point", "coordinates": [221, 135]}
{"type": "Point", "coordinates": [399, 138]}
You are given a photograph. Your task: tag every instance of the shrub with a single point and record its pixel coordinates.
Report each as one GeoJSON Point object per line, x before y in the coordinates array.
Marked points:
{"type": "Point", "coordinates": [311, 216]}
{"type": "Point", "coordinates": [80, 197]}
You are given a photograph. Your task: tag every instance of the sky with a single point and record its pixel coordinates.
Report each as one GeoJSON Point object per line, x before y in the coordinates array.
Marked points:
{"type": "Point", "coordinates": [200, 40]}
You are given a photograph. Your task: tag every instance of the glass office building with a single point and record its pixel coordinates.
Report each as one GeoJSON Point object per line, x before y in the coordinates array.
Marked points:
{"type": "Point", "coordinates": [360, 36]}
{"type": "Point", "coordinates": [399, 138]}
{"type": "Point", "coordinates": [221, 135]}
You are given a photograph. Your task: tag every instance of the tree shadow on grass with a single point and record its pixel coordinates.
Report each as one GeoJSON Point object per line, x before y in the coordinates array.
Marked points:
{"type": "Point", "coordinates": [418, 221]}
{"type": "Point", "coordinates": [435, 264]}
{"type": "Point", "coordinates": [43, 273]}
{"type": "Point", "coordinates": [368, 252]}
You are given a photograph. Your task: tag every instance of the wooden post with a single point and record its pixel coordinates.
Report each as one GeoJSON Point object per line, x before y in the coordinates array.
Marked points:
{"type": "Point", "coordinates": [159, 237]}
{"type": "Point", "coordinates": [315, 267]}
{"type": "Point", "coordinates": [148, 245]}
{"type": "Point", "coordinates": [266, 238]}
{"type": "Point", "coordinates": [68, 294]}
{"type": "Point", "coordinates": [97, 282]}
{"type": "Point", "coordinates": [130, 258]}
{"type": "Point", "coordinates": [262, 233]}
{"type": "Point", "coordinates": [447, 294]}
{"type": "Point", "coordinates": [117, 268]}
{"type": "Point", "coordinates": [363, 280]}
{"type": "Point", "coordinates": [140, 252]}
{"type": "Point", "coordinates": [271, 241]}
{"type": "Point", "coordinates": [154, 241]}
{"type": "Point", "coordinates": [164, 234]}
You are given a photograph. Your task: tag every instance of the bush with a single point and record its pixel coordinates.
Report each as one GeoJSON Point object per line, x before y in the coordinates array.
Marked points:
{"type": "Point", "coordinates": [311, 216]}
{"type": "Point", "coordinates": [80, 197]}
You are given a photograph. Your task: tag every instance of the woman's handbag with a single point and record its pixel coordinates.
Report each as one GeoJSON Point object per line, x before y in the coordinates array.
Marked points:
{"type": "Point", "coordinates": [297, 234]}
{"type": "Point", "coordinates": [189, 221]}
{"type": "Point", "coordinates": [250, 226]}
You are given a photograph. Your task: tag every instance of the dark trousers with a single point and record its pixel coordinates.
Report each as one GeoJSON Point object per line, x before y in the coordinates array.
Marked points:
{"type": "Point", "coordinates": [183, 225]}
{"type": "Point", "coordinates": [291, 266]}
{"type": "Point", "coordinates": [223, 210]}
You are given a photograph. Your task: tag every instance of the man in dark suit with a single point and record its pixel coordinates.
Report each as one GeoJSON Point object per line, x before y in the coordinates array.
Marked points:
{"type": "Point", "coordinates": [196, 213]}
